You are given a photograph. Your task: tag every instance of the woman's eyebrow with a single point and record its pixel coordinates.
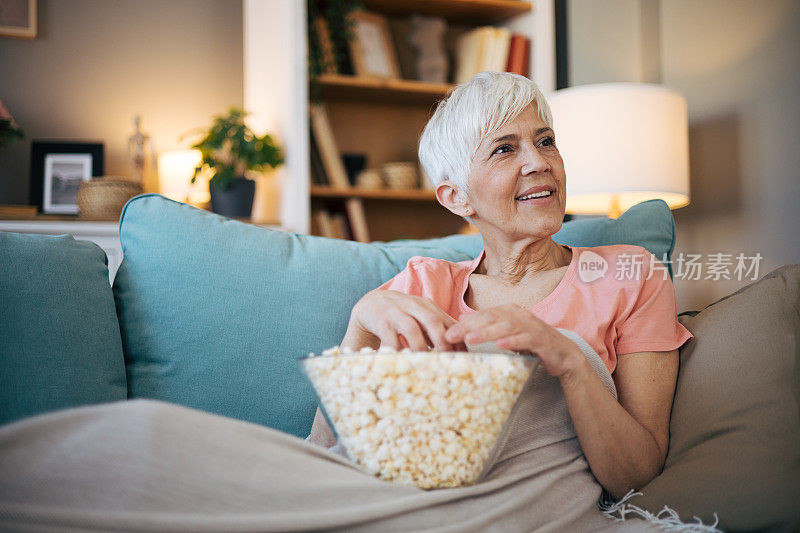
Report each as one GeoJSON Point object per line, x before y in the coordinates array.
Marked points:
{"type": "Point", "coordinates": [509, 137]}
{"type": "Point", "coordinates": [514, 136]}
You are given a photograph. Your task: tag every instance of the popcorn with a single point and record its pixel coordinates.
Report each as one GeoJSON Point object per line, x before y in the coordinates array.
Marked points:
{"type": "Point", "coordinates": [429, 419]}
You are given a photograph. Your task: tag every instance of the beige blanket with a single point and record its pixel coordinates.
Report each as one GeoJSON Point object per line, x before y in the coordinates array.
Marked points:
{"type": "Point", "coordinates": [151, 466]}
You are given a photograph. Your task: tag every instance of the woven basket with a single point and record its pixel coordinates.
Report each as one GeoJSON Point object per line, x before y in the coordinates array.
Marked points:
{"type": "Point", "coordinates": [370, 178]}
{"type": "Point", "coordinates": [103, 198]}
{"type": "Point", "coordinates": [401, 175]}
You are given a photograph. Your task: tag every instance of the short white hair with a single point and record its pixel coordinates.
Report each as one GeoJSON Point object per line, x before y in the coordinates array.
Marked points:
{"type": "Point", "coordinates": [467, 114]}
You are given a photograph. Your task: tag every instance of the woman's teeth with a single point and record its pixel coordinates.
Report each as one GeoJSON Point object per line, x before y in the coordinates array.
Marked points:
{"type": "Point", "coordinates": [542, 194]}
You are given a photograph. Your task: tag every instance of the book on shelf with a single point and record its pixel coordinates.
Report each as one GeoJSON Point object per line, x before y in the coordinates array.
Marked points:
{"type": "Point", "coordinates": [318, 176]}
{"type": "Point", "coordinates": [339, 222]}
{"type": "Point", "coordinates": [357, 219]}
{"type": "Point", "coordinates": [324, 223]}
{"type": "Point", "coordinates": [331, 221]}
{"type": "Point", "coordinates": [501, 40]}
{"type": "Point", "coordinates": [489, 48]}
{"type": "Point", "coordinates": [326, 145]}
{"type": "Point", "coordinates": [519, 51]}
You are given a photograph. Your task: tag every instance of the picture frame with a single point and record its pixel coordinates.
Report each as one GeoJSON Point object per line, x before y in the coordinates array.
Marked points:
{"type": "Point", "coordinates": [371, 49]}
{"type": "Point", "coordinates": [18, 18]}
{"type": "Point", "coordinates": [57, 170]}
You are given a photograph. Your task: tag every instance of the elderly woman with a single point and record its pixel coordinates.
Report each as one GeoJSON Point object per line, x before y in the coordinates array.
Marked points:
{"type": "Point", "coordinates": [491, 151]}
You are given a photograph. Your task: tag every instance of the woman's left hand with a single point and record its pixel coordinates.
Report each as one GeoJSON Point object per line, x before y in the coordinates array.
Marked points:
{"type": "Point", "coordinates": [515, 328]}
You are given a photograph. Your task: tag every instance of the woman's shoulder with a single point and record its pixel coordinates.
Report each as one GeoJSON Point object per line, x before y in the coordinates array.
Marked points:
{"type": "Point", "coordinates": [614, 250]}
{"type": "Point", "coordinates": [426, 270]}
{"type": "Point", "coordinates": [618, 266]}
{"type": "Point", "coordinates": [419, 262]}
{"type": "Point", "coordinates": [427, 276]}
{"type": "Point", "coordinates": [616, 254]}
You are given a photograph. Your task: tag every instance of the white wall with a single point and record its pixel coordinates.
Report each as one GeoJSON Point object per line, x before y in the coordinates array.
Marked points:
{"type": "Point", "coordinates": [738, 64]}
{"type": "Point", "coordinates": [276, 95]}
{"type": "Point", "coordinates": [96, 63]}
{"type": "Point", "coordinates": [604, 41]}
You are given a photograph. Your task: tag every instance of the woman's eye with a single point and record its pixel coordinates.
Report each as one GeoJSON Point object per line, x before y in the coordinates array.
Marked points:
{"type": "Point", "coordinates": [501, 147]}
{"type": "Point", "coordinates": [548, 141]}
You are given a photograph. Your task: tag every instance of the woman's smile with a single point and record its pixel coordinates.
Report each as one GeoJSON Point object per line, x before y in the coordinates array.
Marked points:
{"type": "Point", "coordinates": [538, 201]}
{"type": "Point", "coordinates": [537, 196]}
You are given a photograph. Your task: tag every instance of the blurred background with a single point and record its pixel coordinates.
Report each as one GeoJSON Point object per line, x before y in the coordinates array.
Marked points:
{"type": "Point", "coordinates": [95, 65]}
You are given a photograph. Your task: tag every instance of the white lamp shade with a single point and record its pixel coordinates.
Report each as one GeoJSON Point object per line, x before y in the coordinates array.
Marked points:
{"type": "Point", "coordinates": [622, 143]}
{"type": "Point", "coordinates": [175, 170]}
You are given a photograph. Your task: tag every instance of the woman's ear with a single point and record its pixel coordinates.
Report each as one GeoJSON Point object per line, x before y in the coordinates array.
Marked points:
{"type": "Point", "coordinates": [449, 195]}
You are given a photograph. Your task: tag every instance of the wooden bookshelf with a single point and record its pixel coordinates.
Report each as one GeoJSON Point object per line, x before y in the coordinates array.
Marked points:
{"type": "Point", "coordinates": [464, 11]}
{"type": "Point", "coordinates": [379, 119]}
{"type": "Point", "coordinates": [424, 195]}
{"type": "Point", "coordinates": [337, 86]}
{"type": "Point", "coordinates": [382, 118]}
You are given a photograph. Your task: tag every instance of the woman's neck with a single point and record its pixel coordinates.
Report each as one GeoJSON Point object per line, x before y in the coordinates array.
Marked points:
{"type": "Point", "coordinates": [513, 263]}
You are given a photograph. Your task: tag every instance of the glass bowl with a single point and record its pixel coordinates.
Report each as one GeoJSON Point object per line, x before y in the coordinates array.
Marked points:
{"type": "Point", "coordinates": [429, 419]}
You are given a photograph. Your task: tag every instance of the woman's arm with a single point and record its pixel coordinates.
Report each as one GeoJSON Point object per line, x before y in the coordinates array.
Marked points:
{"type": "Point", "coordinates": [624, 442]}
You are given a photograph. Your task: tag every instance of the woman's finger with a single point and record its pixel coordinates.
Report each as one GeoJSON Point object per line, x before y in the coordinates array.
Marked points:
{"type": "Point", "coordinates": [459, 330]}
{"type": "Point", "coordinates": [388, 337]}
{"type": "Point", "coordinates": [491, 331]}
{"type": "Point", "coordinates": [411, 331]}
{"type": "Point", "coordinates": [435, 332]}
{"type": "Point", "coordinates": [518, 342]}
{"type": "Point", "coordinates": [430, 306]}
{"type": "Point", "coordinates": [434, 323]}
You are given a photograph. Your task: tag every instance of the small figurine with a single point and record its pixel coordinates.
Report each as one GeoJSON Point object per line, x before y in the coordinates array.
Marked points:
{"type": "Point", "coordinates": [427, 37]}
{"type": "Point", "coordinates": [138, 143]}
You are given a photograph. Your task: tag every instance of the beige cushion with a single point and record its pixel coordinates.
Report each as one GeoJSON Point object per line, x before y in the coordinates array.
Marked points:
{"type": "Point", "coordinates": [735, 430]}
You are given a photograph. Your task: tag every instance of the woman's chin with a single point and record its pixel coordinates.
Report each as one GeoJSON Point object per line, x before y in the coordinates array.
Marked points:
{"type": "Point", "coordinates": [546, 221]}
{"type": "Point", "coordinates": [551, 207]}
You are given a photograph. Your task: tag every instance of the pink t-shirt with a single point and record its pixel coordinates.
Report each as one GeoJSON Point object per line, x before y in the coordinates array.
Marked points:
{"type": "Point", "coordinates": [619, 298]}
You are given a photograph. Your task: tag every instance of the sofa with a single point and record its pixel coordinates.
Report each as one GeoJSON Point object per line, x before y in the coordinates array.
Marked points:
{"type": "Point", "coordinates": [212, 313]}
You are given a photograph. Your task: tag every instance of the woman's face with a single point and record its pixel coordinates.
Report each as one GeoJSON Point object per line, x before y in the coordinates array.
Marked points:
{"type": "Point", "coordinates": [512, 162]}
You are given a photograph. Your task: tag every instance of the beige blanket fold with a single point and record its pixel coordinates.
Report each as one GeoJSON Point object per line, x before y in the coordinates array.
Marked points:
{"type": "Point", "coordinates": [146, 465]}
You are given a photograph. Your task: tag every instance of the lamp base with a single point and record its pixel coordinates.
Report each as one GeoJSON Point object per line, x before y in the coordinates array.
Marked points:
{"type": "Point", "coordinates": [614, 210]}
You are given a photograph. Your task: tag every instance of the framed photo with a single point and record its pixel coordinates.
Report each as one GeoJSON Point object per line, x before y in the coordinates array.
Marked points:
{"type": "Point", "coordinates": [371, 48]}
{"type": "Point", "coordinates": [57, 170]}
{"type": "Point", "coordinates": [18, 18]}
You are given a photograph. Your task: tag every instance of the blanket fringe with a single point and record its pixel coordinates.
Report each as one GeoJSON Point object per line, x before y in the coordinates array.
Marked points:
{"type": "Point", "coordinates": [667, 519]}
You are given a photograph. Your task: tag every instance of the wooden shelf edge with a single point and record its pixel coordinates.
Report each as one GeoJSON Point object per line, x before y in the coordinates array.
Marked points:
{"type": "Point", "coordinates": [52, 218]}
{"type": "Point", "coordinates": [384, 84]}
{"type": "Point", "coordinates": [320, 191]}
{"type": "Point", "coordinates": [474, 11]}
{"type": "Point", "coordinates": [339, 86]}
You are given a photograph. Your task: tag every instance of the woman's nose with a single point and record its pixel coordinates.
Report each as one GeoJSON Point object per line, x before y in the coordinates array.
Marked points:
{"type": "Point", "coordinates": [533, 161]}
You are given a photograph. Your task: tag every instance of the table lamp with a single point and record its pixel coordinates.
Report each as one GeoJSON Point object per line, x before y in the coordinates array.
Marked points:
{"type": "Point", "coordinates": [622, 143]}
{"type": "Point", "coordinates": [175, 169]}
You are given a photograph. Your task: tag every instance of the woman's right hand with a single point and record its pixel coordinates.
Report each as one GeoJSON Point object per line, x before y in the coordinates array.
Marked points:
{"type": "Point", "coordinates": [385, 318]}
{"type": "Point", "coordinates": [391, 318]}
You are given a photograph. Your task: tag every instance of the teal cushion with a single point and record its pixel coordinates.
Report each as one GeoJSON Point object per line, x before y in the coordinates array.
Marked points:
{"type": "Point", "coordinates": [59, 337]}
{"type": "Point", "coordinates": [214, 312]}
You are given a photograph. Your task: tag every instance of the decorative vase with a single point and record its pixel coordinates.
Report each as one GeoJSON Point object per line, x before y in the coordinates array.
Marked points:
{"type": "Point", "coordinates": [236, 201]}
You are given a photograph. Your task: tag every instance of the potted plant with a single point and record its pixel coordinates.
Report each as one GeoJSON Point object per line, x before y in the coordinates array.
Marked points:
{"type": "Point", "coordinates": [340, 28]}
{"type": "Point", "coordinates": [229, 150]}
{"type": "Point", "coordinates": [9, 129]}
